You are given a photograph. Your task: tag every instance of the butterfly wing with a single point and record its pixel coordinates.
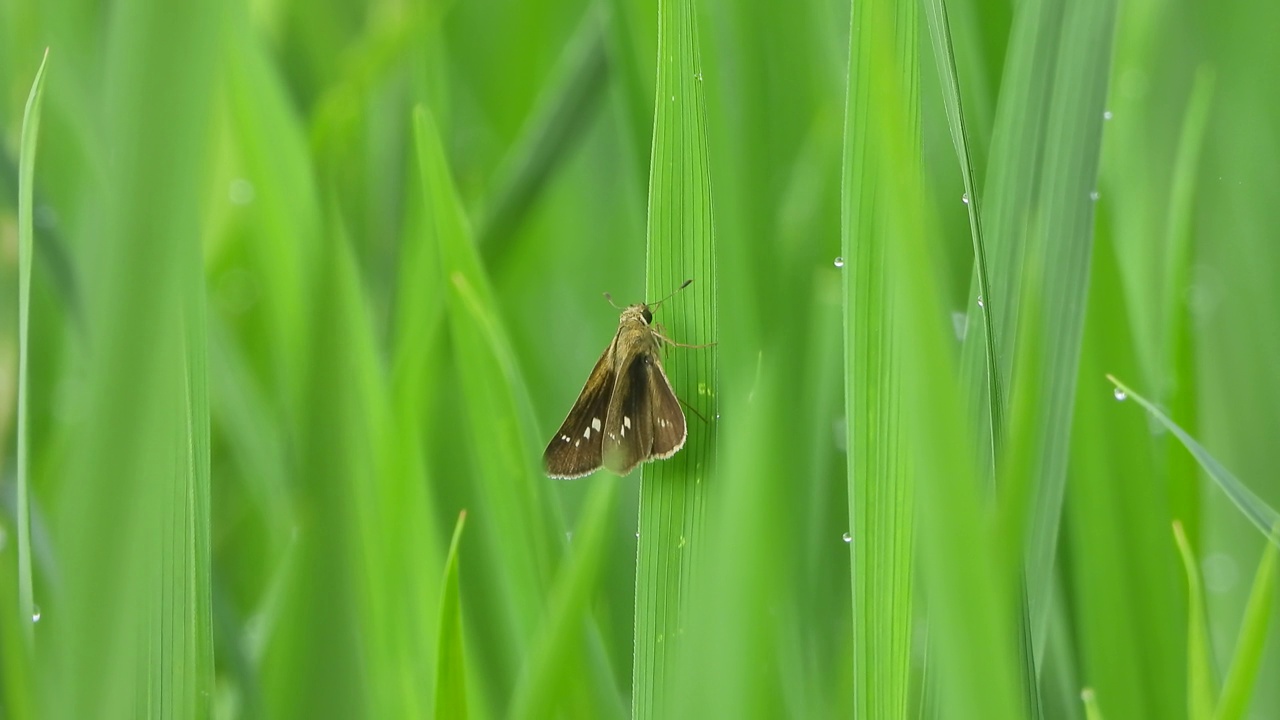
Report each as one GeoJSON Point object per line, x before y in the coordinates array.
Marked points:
{"type": "Point", "coordinates": [575, 450]}
{"type": "Point", "coordinates": [669, 429]}
{"type": "Point", "coordinates": [645, 420]}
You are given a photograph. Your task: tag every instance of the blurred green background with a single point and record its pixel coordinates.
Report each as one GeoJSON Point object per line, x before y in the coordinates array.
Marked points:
{"type": "Point", "coordinates": [283, 331]}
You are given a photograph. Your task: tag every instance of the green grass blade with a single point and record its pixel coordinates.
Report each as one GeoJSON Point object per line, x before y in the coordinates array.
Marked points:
{"type": "Point", "coordinates": [1242, 676]}
{"type": "Point", "coordinates": [881, 494]}
{"type": "Point", "coordinates": [1254, 508]}
{"type": "Point", "coordinates": [513, 513]}
{"type": "Point", "coordinates": [1200, 691]}
{"type": "Point", "coordinates": [944, 54]}
{"type": "Point", "coordinates": [680, 246]}
{"type": "Point", "coordinates": [26, 245]}
{"type": "Point", "coordinates": [451, 677]}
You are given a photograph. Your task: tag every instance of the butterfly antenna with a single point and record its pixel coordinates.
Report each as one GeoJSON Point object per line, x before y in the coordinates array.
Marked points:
{"type": "Point", "coordinates": [609, 297]}
{"type": "Point", "coordinates": [684, 285]}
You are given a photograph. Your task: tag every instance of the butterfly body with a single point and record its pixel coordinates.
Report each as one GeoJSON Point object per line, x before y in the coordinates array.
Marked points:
{"type": "Point", "coordinates": [627, 412]}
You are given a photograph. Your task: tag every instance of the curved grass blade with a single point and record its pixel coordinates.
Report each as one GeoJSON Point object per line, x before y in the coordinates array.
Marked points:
{"type": "Point", "coordinates": [1200, 690]}
{"type": "Point", "coordinates": [26, 245]}
{"type": "Point", "coordinates": [944, 54]}
{"type": "Point", "coordinates": [680, 246]}
{"type": "Point", "coordinates": [1259, 513]}
{"type": "Point", "coordinates": [451, 678]}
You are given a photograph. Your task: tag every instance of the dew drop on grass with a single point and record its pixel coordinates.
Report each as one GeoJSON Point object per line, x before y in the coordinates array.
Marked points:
{"type": "Point", "coordinates": [35, 614]}
{"type": "Point", "coordinates": [1106, 115]}
{"type": "Point", "coordinates": [1094, 196]}
{"type": "Point", "coordinates": [848, 538]}
{"type": "Point", "coordinates": [839, 262]}
{"type": "Point", "coordinates": [965, 198]}
{"type": "Point", "coordinates": [1120, 394]}
{"type": "Point", "coordinates": [980, 304]}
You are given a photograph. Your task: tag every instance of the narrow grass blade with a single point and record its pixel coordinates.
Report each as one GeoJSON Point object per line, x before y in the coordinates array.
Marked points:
{"type": "Point", "coordinates": [883, 69]}
{"type": "Point", "coordinates": [1254, 508]}
{"type": "Point", "coordinates": [1243, 673]}
{"type": "Point", "coordinates": [18, 648]}
{"type": "Point", "coordinates": [451, 676]}
{"type": "Point", "coordinates": [680, 246]}
{"type": "Point", "coordinates": [514, 515]}
{"type": "Point", "coordinates": [1200, 681]}
{"type": "Point", "coordinates": [26, 245]}
{"type": "Point", "coordinates": [944, 54]}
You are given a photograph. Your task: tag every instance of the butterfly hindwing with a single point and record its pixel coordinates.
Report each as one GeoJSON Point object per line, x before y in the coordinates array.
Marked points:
{"type": "Point", "coordinates": [575, 450]}
{"type": "Point", "coordinates": [669, 430]}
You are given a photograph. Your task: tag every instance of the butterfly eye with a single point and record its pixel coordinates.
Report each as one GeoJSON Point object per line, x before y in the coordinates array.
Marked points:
{"type": "Point", "coordinates": [648, 316]}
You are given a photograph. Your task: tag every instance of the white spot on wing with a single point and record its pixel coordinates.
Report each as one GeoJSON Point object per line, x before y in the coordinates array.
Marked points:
{"type": "Point", "coordinates": [576, 443]}
{"type": "Point", "coordinates": [626, 421]}
{"type": "Point", "coordinates": [564, 438]}
{"type": "Point", "coordinates": [624, 432]}
{"type": "Point", "coordinates": [587, 433]}
{"type": "Point", "coordinates": [595, 423]}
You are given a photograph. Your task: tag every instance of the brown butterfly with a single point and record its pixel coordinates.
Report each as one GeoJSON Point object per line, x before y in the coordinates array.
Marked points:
{"type": "Point", "coordinates": [627, 412]}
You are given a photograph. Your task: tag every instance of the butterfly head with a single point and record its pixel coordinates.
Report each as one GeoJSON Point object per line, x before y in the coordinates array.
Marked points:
{"type": "Point", "coordinates": [639, 312]}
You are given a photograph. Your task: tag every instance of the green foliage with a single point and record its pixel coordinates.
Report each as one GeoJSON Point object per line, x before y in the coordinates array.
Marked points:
{"type": "Point", "coordinates": [291, 287]}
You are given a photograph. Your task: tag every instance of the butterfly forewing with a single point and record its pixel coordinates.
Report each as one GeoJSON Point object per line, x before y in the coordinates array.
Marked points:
{"type": "Point", "coordinates": [575, 450]}
{"type": "Point", "coordinates": [628, 432]}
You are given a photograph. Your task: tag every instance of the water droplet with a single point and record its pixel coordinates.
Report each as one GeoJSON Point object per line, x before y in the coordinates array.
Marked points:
{"type": "Point", "coordinates": [965, 198]}
{"type": "Point", "coordinates": [1120, 394]}
{"type": "Point", "coordinates": [980, 302]}
{"type": "Point", "coordinates": [1106, 115]}
{"type": "Point", "coordinates": [1094, 196]}
{"type": "Point", "coordinates": [240, 192]}
{"type": "Point", "coordinates": [673, 98]}
{"type": "Point", "coordinates": [848, 538]}
{"type": "Point", "coordinates": [637, 535]}
{"type": "Point", "coordinates": [35, 614]}
{"type": "Point", "coordinates": [839, 262]}
{"type": "Point", "coordinates": [698, 77]}
{"type": "Point", "coordinates": [717, 416]}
